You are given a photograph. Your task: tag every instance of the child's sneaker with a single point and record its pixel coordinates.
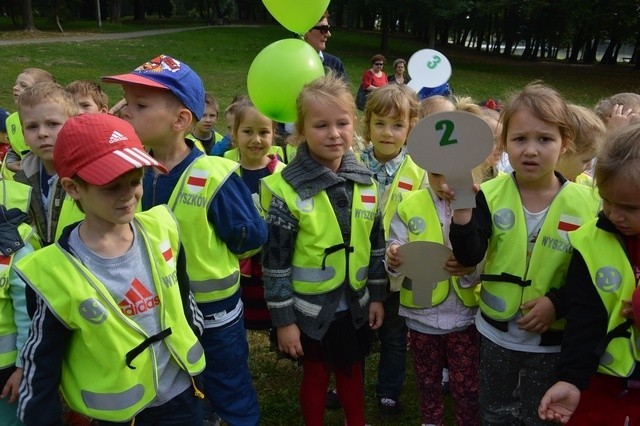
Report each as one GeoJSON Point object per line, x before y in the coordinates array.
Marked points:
{"type": "Point", "coordinates": [389, 408]}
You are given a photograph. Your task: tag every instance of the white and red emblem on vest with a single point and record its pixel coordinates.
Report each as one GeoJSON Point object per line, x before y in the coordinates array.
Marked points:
{"type": "Point", "coordinates": [167, 254]}
{"type": "Point", "coordinates": [568, 223]}
{"type": "Point", "coordinates": [368, 198]}
{"type": "Point", "coordinates": [197, 180]}
{"type": "Point", "coordinates": [405, 184]}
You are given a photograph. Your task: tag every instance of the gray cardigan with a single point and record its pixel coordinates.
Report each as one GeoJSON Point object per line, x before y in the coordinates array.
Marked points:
{"type": "Point", "coordinates": [314, 313]}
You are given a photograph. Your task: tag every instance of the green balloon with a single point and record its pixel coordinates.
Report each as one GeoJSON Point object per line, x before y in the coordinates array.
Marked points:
{"type": "Point", "coordinates": [297, 15]}
{"type": "Point", "coordinates": [277, 74]}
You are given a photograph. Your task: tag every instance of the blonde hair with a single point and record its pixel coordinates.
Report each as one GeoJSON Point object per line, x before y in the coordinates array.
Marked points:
{"type": "Point", "coordinates": [468, 105]}
{"type": "Point", "coordinates": [40, 93]}
{"type": "Point", "coordinates": [620, 157]}
{"type": "Point", "coordinates": [331, 91]}
{"type": "Point", "coordinates": [589, 131]}
{"type": "Point", "coordinates": [433, 104]}
{"type": "Point", "coordinates": [395, 100]}
{"type": "Point", "coordinates": [39, 75]}
{"type": "Point", "coordinates": [546, 104]}
{"type": "Point", "coordinates": [209, 100]}
{"type": "Point", "coordinates": [604, 106]}
{"type": "Point", "coordinates": [90, 88]}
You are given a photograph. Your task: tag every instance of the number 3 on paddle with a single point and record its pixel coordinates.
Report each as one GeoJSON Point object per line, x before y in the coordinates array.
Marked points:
{"type": "Point", "coordinates": [447, 126]}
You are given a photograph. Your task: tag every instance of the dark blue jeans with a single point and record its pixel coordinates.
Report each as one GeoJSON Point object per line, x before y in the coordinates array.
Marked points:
{"type": "Point", "coordinates": [183, 410]}
{"type": "Point", "coordinates": [227, 379]}
{"type": "Point", "coordinates": [393, 350]}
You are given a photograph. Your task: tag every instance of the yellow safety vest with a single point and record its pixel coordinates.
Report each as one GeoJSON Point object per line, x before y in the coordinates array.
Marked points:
{"type": "Point", "coordinates": [96, 379]}
{"type": "Point", "coordinates": [214, 271]}
{"type": "Point", "coordinates": [8, 330]}
{"type": "Point", "coordinates": [15, 195]}
{"type": "Point", "coordinates": [408, 178]}
{"type": "Point", "coordinates": [507, 281]}
{"type": "Point", "coordinates": [16, 138]}
{"type": "Point", "coordinates": [322, 260]}
{"type": "Point", "coordinates": [615, 281]}
{"type": "Point", "coordinates": [418, 212]}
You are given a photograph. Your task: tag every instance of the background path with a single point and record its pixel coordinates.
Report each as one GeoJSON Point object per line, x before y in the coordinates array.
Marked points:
{"type": "Point", "coordinates": [77, 37]}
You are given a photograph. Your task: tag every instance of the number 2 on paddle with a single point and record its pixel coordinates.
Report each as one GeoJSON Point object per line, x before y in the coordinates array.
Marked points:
{"type": "Point", "coordinates": [447, 126]}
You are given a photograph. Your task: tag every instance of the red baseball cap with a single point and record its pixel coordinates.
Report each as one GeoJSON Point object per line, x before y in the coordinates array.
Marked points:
{"type": "Point", "coordinates": [99, 148]}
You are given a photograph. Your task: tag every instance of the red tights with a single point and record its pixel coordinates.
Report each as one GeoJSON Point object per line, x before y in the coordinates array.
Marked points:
{"type": "Point", "coordinates": [313, 393]}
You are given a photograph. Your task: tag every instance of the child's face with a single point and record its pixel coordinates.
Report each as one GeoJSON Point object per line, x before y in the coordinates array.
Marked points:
{"type": "Point", "coordinates": [151, 114]}
{"type": "Point", "coordinates": [114, 203]}
{"type": "Point", "coordinates": [254, 136]}
{"type": "Point", "coordinates": [328, 131]}
{"type": "Point", "coordinates": [208, 120]}
{"type": "Point", "coordinates": [436, 181]}
{"type": "Point", "coordinates": [87, 104]}
{"type": "Point", "coordinates": [22, 82]}
{"type": "Point", "coordinates": [621, 204]}
{"type": "Point", "coordinates": [571, 165]}
{"type": "Point", "coordinates": [229, 118]}
{"type": "Point", "coordinates": [388, 135]}
{"type": "Point", "coordinates": [533, 146]}
{"type": "Point", "coordinates": [40, 126]}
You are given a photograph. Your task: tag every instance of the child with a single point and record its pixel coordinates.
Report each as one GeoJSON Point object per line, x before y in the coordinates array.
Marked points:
{"type": "Point", "coordinates": [434, 104]}
{"type": "Point", "coordinates": [589, 133]}
{"type": "Point", "coordinates": [203, 131]}
{"type": "Point", "coordinates": [14, 320]}
{"type": "Point", "coordinates": [225, 143]}
{"type": "Point", "coordinates": [444, 334]}
{"type": "Point", "coordinates": [619, 110]}
{"type": "Point", "coordinates": [28, 77]}
{"type": "Point", "coordinates": [323, 263]}
{"type": "Point", "coordinates": [253, 134]}
{"type": "Point", "coordinates": [114, 324]}
{"type": "Point", "coordinates": [390, 114]}
{"type": "Point", "coordinates": [89, 95]}
{"type": "Point", "coordinates": [520, 223]}
{"type": "Point", "coordinates": [44, 108]}
{"type": "Point", "coordinates": [598, 372]}
{"type": "Point", "coordinates": [217, 217]}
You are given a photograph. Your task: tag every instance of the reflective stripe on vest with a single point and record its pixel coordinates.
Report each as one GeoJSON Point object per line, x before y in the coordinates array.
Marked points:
{"type": "Point", "coordinates": [102, 336]}
{"type": "Point", "coordinates": [612, 275]}
{"type": "Point", "coordinates": [214, 271]}
{"type": "Point", "coordinates": [320, 256]}
{"type": "Point", "coordinates": [418, 212]}
{"type": "Point", "coordinates": [508, 281]}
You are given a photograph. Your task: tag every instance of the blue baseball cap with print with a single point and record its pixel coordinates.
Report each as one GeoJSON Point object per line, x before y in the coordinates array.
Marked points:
{"type": "Point", "coordinates": [427, 92]}
{"type": "Point", "coordinates": [167, 73]}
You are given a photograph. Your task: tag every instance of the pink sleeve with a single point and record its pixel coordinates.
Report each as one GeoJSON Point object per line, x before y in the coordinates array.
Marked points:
{"type": "Point", "coordinates": [367, 78]}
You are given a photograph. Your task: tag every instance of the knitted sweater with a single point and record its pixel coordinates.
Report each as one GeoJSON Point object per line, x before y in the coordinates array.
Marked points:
{"type": "Point", "coordinates": [314, 313]}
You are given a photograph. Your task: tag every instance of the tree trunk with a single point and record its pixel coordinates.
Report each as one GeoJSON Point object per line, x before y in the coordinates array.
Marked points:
{"type": "Point", "coordinates": [138, 10]}
{"type": "Point", "coordinates": [27, 15]}
{"type": "Point", "coordinates": [116, 11]}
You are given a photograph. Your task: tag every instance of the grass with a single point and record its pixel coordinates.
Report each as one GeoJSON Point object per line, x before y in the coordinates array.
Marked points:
{"type": "Point", "coordinates": [222, 55]}
{"type": "Point", "coordinates": [277, 383]}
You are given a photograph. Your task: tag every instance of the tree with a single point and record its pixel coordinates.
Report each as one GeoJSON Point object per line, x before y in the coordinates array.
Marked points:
{"type": "Point", "coordinates": [27, 16]}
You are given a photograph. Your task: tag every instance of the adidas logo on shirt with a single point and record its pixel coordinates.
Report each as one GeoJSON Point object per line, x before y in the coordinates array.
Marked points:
{"type": "Point", "coordinates": [138, 299]}
{"type": "Point", "coordinates": [116, 136]}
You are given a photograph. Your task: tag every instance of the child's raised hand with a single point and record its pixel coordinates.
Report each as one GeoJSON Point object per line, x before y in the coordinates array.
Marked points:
{"type": "Point", "coordinates": [289, 340]}
{"type": "Point", "coordinates": [454, 268]}
{"type": "Point", "coordinates": [620, 117]}
{"type": "Point", "coordinates": [541, 315]}
{"type": "Point", "coordinates": [393, 260]}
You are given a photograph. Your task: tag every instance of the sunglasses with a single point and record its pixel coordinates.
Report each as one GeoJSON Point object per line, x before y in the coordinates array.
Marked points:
{"type": "Point", "coordinates": [379, 64]}
{"type": "Point", "coordinates": [322, 28]}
